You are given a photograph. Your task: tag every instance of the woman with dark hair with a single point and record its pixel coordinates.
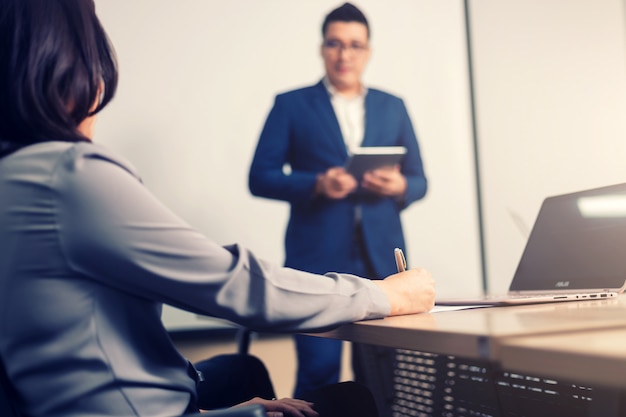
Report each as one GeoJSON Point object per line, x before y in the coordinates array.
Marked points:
{"type": "Point", "coordinates": [88, 255]}
{"type": "Point", "coordinates": [57, 62]}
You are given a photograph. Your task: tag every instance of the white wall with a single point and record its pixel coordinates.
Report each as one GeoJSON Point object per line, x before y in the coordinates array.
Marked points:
{"type": "Point", "coordinates": [550, 80]}
{"type": "Point", "coordinates": [198, 78]}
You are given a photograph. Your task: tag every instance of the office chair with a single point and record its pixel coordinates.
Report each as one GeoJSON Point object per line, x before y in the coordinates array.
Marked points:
{"type": "Point", "coordinates": [238, 377]}
{"type": "Point", "coordinates": [9, 409]}
{"type": "Point", "coordinates": [233, 378]}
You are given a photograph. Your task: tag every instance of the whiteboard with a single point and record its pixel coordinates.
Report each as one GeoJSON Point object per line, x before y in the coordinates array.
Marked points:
{"type": "Point", "coordinates": [198, 78]}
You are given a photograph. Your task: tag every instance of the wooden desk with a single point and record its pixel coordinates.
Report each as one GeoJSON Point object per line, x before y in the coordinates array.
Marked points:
{"type": "Point", "coordinates": [530, 360]}
{"type": "Point", "coordinates": [479, 333]}
{"type": "Point", "coordinates": [595, 356]}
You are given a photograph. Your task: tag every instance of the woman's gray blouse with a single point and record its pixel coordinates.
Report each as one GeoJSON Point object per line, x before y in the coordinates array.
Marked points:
{"type": "Point", "coordinates": [87, 257]}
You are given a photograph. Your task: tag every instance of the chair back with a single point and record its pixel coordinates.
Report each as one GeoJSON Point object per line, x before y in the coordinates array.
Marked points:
{"type": "Point", "coordinates": [231, 379]}
{"type": "Point", "coordinates": [7, 395]}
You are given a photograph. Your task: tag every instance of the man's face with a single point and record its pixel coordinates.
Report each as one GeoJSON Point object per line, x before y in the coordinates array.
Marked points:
{"type": "Point", "coordinates": [345, 51]}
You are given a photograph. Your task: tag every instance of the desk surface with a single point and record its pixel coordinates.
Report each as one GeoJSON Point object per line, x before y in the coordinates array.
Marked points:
{"type": "Point", "coordinates": [594, 356]}
{"type": "Point", "coordinates": [583, 342]}
{"type": "Point", "coordinates": [481, 332]}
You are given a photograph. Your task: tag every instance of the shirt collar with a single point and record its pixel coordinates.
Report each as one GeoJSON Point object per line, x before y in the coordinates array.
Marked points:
{"type": "Point", "coordinates": [332, 90]}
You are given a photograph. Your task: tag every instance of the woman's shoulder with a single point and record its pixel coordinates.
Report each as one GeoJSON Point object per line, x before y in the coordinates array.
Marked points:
{"type": "Point", "coordinates": [73, 156]}
{"type": "Point", "coordinates": [59, 160]}
{"type": "Point", "coordinates": [79, 152]}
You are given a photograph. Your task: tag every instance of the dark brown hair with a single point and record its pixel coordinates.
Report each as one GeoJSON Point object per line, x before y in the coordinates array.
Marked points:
{"type": "Point", "coordinates": [347, 12]}
{"type": "Point", "coordinates": [55, 62]}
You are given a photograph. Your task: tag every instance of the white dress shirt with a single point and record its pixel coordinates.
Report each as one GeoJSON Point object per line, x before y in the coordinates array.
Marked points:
{"type": "Point", "coordinates": [350, 113]}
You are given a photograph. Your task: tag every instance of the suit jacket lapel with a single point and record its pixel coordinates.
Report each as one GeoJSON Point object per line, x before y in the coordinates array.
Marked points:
{"type": "Point", "coordinates": [328, 119]}
{"type": "Point", "coordinates": [371, 121]}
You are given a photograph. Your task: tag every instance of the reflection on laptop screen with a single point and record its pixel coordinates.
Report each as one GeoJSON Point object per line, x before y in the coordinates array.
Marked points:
{"type": "Point", "coordinates": [578, 242]}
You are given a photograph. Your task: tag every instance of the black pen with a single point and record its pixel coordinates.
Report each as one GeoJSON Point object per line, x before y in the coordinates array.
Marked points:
{"type": "Point", "coordinates": [400, 259]}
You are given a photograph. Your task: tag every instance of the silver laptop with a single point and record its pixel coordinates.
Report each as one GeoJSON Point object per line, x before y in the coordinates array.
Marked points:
{"type": "Point", "coordinates": [576, 251]}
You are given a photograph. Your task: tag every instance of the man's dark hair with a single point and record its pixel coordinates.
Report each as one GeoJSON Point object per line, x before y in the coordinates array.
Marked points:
{"type": "Point", "coordinates": [55, 62]}
{"type": "Point", "coordinates": [347, 12]}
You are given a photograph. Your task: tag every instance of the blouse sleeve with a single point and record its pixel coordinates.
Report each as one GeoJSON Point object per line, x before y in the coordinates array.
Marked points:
{"type": "Point", "coordinates": [114, 231]}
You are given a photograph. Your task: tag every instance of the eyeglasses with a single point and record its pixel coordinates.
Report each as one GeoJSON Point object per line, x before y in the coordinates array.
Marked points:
{"type": "Point", "coordinates": [355, 48]}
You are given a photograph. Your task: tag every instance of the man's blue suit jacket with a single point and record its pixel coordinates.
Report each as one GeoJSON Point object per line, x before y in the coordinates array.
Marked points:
{"type": "Point", "coordinates": [302, 131]}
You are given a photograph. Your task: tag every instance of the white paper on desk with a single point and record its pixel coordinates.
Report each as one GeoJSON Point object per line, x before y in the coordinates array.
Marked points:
{"type": "Point", "coordinates": [439, 309]}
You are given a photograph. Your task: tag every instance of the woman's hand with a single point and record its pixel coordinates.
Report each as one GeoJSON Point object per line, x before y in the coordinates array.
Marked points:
{"type": "Point", "coordinates": [409, 292]}
{"type": "Point", "coordinates": [285, 407]}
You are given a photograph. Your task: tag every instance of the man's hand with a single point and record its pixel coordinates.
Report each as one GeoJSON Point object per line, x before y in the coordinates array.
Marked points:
{"type": "Point", "coordinates": [386, 182]}
{"type": "Point", "coordinates": [335, 183]}
{"type": "Point", "coordinates": [409, 292]}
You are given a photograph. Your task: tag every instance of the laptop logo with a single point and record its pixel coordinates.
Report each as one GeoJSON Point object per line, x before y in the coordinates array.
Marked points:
{"type": "Point", "coordinates": [562, 284]}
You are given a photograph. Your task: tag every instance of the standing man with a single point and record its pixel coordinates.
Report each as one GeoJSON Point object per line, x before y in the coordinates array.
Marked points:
{"type": "Point", "coordinates": [337, 222]}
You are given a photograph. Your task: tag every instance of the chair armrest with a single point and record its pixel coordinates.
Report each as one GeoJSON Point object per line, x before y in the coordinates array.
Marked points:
{"type": "Point", "coordinates": [254, 410]}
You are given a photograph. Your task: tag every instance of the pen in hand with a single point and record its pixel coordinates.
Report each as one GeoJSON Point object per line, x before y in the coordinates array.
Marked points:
{"type": "Point", "coordinates": [400, 259]}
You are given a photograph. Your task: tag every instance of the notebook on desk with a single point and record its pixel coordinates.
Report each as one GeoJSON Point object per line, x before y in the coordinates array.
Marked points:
{"type": "Point", "coordinates": [576, 250]}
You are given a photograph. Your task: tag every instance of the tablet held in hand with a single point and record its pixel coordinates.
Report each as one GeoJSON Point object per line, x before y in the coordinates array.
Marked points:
{"type": "Point", "coordinates": [372, 157]}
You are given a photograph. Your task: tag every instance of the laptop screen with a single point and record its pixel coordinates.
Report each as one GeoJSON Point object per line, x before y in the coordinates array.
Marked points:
{"type": "Point", "coordinates": [578, 242]}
